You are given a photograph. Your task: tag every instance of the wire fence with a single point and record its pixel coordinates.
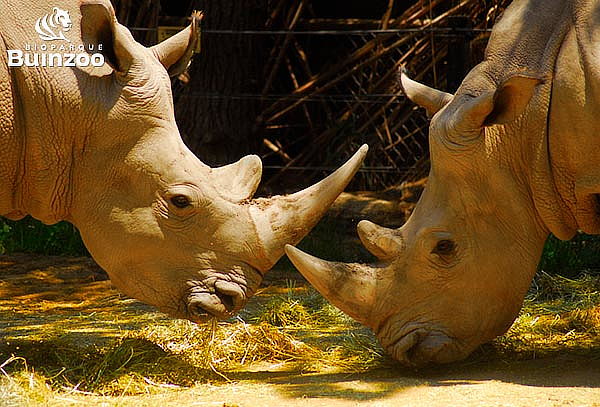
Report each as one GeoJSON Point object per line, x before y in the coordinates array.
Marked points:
{"type": "Point", "coordinates": [423, 30]}
{"type": "Point", "coordinates": [326, 91]}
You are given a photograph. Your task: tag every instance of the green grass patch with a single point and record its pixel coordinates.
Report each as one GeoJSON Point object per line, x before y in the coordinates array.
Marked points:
{"type": "Point", "coordinates": [573, 257]}
{"type": "Point", "coordinates": [32, 236]}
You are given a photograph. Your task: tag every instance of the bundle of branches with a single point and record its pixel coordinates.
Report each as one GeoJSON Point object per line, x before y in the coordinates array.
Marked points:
{"type": "Point", "coordinates": [329, 92]}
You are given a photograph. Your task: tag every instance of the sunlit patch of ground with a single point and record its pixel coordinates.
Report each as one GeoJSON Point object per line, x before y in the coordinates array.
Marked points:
{"type": "Point", "coordinates": [68, 338]}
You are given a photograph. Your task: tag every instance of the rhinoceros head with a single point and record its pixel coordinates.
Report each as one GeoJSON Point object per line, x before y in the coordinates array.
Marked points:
{"type": "Point", "coordinates": [455, 274]}
{"type": "Point", "coordinates": [168, 229]}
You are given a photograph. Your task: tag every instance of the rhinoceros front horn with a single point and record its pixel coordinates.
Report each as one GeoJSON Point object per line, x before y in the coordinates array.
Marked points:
{"type": "Point", "coordinates": [348, 286]}
{"type": "Point", "coordinates": [286, 219]}
{"type": "Point", "coordinates": [352, 286]}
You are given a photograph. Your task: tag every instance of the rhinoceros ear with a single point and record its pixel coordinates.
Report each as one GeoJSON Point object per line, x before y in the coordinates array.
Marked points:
{"type": "Point", "coordinates": [431, 99]}
{"type": "Point", "coordinates": [176, 52]}
{"type": "Point", "coordinates": [99, 25]}
{"type": "Point", "coordinates": [511, 98]}
{"type": "Point", "coordinates": [501, 106]}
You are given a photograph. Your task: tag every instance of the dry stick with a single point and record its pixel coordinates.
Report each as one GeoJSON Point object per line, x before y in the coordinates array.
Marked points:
{"type": "Point", "coordinates": [276, 149]}
{"type": "Point", "coordinates": [335, 24]}
{"type": "Point", "coordinates": [275, 13]}
{"type": "Point", "coordinates": [303, 59]}
{"type": "Point", "coordinates": [390, 159]}
{"type": "Point", "coordinates": [402, 140]}
{"type": "Point", "coordinates": [273, 54]}
{"type": "Point", "coordinates": [295, 82]}
{"type": "Point", "coordinates": [354, 68]}
{"type": "Point", "coordinates": [283, 48]}
{"type": "Point", "coordinates": [381, 111]}
{"type": "Point", "coordinates": [419, 45]}
{"type": "Point", "coordinates": [385, 20]}
{"type": "Point", "coordinates": [417, 12]}
{"type": "Point", "coordinates": [319, 139]}
{"type": "Point", "coordinates": [372, 117]}
{"type": "Point", "coordinates": [401, 122]}
{"type": "Point", "coordinates": [339, 78]}
{"type": "Point", "coordinates": [393, 118]}
{"type": "Point", "coordinates": [323, 137]}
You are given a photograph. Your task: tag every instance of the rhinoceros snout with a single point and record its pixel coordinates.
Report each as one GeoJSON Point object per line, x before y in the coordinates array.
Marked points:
{"type": "Point", "coordinates": [422, 347]}
{"type": "Point", "coordinates": [225, 301]}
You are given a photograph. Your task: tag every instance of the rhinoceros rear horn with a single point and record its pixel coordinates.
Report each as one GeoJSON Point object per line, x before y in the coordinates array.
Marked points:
{"type": "Point", "coordinates": [382, 242]}
{"type": "Point", "coordinates": [238, 181]}
{"type": "Point", "coordinates": [286, 219]}
{"type": "Point", "coordinates": [176, 52]}
{"type": "Point", "coordinates": [99, 25]}
{"type": "Point", "coordinates": [431, 99]}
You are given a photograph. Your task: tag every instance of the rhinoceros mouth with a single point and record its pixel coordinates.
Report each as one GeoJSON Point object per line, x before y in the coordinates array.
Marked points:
{"type": "Point", "coordinates": [221, 297]}
{"type": "Point", "coordinates": [419, 345]}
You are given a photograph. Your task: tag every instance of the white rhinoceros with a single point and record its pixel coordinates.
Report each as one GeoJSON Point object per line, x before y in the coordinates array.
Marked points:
{"type": "Point", "coordinates": [98, 146]}
{"type": "Point", "coordinates": [514, 156]}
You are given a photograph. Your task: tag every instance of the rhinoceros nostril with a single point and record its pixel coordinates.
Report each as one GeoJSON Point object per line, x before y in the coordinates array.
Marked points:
{"type": "Point", "coordinates": [195, 308]}
{"type": "Point", "coordinates": [227, 300]}
{"type": "Point", "coordinates": [230, 294]}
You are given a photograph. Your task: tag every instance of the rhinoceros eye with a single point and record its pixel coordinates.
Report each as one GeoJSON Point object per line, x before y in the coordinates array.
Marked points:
{"type": "Point", "coordinates": [180, 201]}
{"type": "Point", "coordinates": [444, 247]}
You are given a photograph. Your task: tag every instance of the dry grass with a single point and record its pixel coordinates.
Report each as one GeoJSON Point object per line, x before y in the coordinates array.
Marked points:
{"type": "Point", "coordinates": [559, 315]}
{"type": "Point", "coordinates": [297, 330]}
{"type": "Point", "coordinates": [121, 348]}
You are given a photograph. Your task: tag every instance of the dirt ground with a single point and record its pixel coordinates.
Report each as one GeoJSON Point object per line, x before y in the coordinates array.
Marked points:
{"type": "Point", "coordinates": [38, 293]}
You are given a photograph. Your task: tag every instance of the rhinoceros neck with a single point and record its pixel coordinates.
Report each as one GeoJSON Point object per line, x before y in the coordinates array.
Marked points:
{"type": "Point", "coordinates": [527, 40]}
{"type": "Point", "coordinates": [45, 138]}
{"type": "Point", "coordinates": [43, 146]}
{"type": "Point", "coordinates": [43, 124]}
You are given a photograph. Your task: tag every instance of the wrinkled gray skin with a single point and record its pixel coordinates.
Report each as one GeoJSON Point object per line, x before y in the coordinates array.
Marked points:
{"type": "Point", "coordinates": [99, 147]}
{"type": "Point", "coordinates": [514, 156]}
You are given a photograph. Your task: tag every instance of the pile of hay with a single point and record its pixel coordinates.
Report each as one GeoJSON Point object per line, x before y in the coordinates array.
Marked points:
{"type": "Point", "coordinates": [294, 331]}
{"type": "Point", "coordinates": [297, 330]}
{"type": "Point", "coordinates": [559, 315]}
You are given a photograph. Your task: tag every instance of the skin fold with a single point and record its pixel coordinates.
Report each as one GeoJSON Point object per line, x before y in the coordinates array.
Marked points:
{"type": "Point", "coordinates": [514, 157]}
{"type": "Point", "coordinates": [99, 147]}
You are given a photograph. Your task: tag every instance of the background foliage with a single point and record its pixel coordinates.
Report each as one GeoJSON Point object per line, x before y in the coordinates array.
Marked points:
{"type": "Point", "coordinates": [566, 258]}
{"type": "Point", "coordinates": [32, 236]}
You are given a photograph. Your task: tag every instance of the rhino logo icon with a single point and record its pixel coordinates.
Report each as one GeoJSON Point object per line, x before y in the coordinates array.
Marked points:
{"type": "Point", "coordinates": [53, 26]}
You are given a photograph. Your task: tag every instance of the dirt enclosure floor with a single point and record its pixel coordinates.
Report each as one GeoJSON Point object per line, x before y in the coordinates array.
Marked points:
{"type": "Point", "coordinates": [49, 303]}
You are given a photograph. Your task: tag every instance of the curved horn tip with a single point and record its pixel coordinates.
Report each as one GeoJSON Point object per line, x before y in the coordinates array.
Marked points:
{"type": "Point", "coordinates": [366, 226]}
{"type": "Point", "coordinates": [357, 158]}
{"type": "Point", "coordinates": [304, 262]}
{"type": "Point", "coordinates": [292, 250]}
{"type": "Point", "coordinates": [408, 86]}
{"type": "Point", "coordinates": [253, 162]}
{"type": "Point", "coordinates": [363, 150]}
